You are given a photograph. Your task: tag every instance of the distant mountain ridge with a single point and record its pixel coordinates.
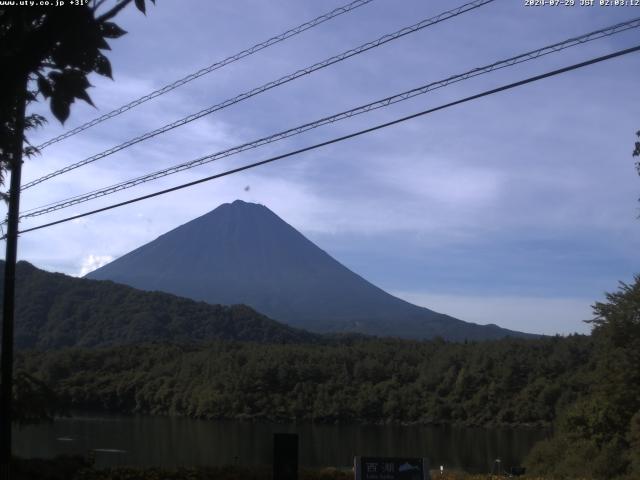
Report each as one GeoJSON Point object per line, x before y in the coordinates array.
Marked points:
{"type": "Point", "coordinates": [243, 253]}
{"type": "Point", "coordinates": [56, 311]}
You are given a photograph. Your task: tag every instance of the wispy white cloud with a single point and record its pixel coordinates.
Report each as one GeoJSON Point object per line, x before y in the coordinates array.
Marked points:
{"type": "Point", "coordinates": [93, 262]}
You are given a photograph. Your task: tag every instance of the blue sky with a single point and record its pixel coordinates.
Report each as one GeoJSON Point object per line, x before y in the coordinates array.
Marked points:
{"type": "Point", "coordinates": [518, 209]}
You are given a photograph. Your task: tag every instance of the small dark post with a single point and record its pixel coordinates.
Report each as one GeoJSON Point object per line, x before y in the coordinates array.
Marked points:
{"type": "Point", "coordinates": [285, 456]}
{"type": "Point", "coordinates": [518, 471]}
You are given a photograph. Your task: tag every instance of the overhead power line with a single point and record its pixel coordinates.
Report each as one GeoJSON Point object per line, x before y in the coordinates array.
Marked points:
{"type": "Point", "coordinates": [268, 86]}
{"type": "Point", "coordinates": [531, 55]}
{"type": "Point", "coordinates": [214, 66]}
{"type": "Point", "coordinates": [342, 138]}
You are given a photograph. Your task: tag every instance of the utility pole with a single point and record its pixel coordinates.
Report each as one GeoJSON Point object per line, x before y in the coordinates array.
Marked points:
{"type": "Point", "coordinates": [8, 307]}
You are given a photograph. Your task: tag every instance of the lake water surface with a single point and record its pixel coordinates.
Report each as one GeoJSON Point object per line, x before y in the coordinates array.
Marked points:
{"type": "Point", "coordinates": [173, 442]}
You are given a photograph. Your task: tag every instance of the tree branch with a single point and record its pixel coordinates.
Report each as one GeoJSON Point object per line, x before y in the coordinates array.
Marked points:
{"type": "Point", "coordinates": [114, 11]}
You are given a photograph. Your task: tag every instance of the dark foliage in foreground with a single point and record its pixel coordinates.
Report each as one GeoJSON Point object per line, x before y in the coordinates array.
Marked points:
{"type": "Point", "coordinates": [506, 382]}
{"type": "Point", "coordinates": [81, 468]}
{"type": "Point", "coordinates": [59, 468]}
{"type": "Point", "coordinates": [49, 52]}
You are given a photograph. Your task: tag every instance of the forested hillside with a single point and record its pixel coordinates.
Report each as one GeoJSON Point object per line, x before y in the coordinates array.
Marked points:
{"type": "Point", "coordinates": [56, 311]}
{"type": "Point", "coordinates": [507, 382]}
{"type": "Point", "coordinates": [598, 436]}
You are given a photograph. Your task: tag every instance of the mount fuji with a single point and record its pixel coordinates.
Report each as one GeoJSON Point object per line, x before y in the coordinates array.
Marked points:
{"type": "Point", "coordinates": [243, 253]}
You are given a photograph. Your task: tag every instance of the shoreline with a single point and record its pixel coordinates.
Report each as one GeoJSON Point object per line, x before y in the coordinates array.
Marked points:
{"type": "Point", "coordinates": [105, 414]}
{"type": "Point", "coordinates": [81, 468]}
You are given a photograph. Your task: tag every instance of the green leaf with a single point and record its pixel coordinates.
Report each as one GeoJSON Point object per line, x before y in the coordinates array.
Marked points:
{"type": "Point", "coordinates": [111, 30]}
{"type": "Point", "coordinates": [140, 6]}
{"type": "Point", "coordinates": [30, 151]}
{"type": "Point", "coordinates": [83, 95]}
{"type": "Point", "coordinates": [44, 86]}
{"type": "Point", "coordinates": [71, 84]}
{"type": "Point", "coordinates": [60, 108]}
{"type": "Point", "coordinates": [102, 44]}
{"type": "Point", "coordinates": [33, 121]}
{"type": "Point", "coordinates": [103, 66]}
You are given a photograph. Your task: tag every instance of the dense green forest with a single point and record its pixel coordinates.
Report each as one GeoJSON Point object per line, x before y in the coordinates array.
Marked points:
{"type": "Point", "coordinates": [508, 382]}
{"type": "Point", "coordinates": [56, 311]}
{"type": "Point", "coordinates": [155, 353]}
{"type": "Point", "coordinates": [587, 387]}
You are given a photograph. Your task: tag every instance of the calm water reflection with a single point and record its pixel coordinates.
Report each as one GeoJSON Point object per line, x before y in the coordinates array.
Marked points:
{"type": "Point", "coordinates": [174, 442]}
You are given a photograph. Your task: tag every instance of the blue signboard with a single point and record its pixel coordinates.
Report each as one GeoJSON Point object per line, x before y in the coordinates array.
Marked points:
{"type": "Point", "coordinates": [383, 468]}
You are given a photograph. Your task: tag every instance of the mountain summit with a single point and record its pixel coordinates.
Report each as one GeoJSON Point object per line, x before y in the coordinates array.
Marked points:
{"type": "Point", "coordinates": [244, 253]}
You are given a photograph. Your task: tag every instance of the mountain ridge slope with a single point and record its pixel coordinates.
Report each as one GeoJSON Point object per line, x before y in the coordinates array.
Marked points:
{"type": "Point", "coordinates": [55, 311]}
